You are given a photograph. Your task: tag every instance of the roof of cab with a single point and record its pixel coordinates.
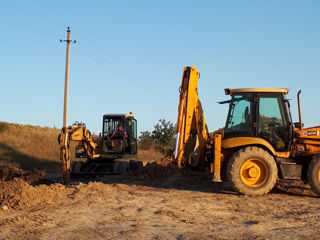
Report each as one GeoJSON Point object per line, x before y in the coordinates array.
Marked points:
{"type": "Point", "coordinates": [130, 115]}
{"type": "Point", "coordinates": [230, 91]}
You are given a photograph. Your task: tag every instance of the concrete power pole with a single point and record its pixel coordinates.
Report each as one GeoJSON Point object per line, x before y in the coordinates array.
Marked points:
{"type": "Point", "coordinates": [63, 139]}
{"type": "Point", "coordinates": [66, 83]}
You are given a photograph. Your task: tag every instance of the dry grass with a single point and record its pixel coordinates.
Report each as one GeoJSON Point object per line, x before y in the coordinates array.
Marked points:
{"type": "Point", "coordinates": [33, 147]}
{"type": "Point", "coordinates": [29, 146]}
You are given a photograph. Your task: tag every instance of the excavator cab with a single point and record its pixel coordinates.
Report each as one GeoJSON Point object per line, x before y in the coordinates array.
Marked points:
{"type": "Point", "coordinates": [119, 136]}
{"type": "Point", "coordinates": [261, 113]}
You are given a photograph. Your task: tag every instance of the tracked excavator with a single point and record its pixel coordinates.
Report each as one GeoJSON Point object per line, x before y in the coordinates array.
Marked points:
{"type": "Point", "coordinates": [110, 154]}
{"type": "Point", "coordinates": [258, 145]}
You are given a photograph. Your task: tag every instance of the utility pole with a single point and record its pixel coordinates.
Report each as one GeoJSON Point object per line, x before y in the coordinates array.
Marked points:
{"type": "Point", "coordinates": [66, 83]}
{"type": "Point", "coordinates": [63, 139]}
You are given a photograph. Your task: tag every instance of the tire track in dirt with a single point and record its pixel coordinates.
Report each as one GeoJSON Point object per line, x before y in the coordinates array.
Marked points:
{"type": "Point", "coordinates": [179, 206]}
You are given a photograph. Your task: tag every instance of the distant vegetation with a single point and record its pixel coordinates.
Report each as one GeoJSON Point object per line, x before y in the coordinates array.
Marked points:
{"type": "Point", "coordinates": [162, 138]}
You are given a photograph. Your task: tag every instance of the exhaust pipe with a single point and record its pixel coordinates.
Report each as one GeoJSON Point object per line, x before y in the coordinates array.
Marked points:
{"type": "Point", "coordinates": [299, 109]}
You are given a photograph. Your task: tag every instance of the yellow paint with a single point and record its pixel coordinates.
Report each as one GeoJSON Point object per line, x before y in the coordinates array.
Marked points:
{"type": "Point", "coordinates": [308, 133]}
{"type": "Point", "coordinates": [191, 120]}
{"type": "Point", "coordinates": [249, 141]}
{"type": "Point", "coordinates": [283, 154]}
{"type": "Point", "coordinates": [217, 158]}
{"type": "Point", "coordinates": [254, 173]}
{"type": "Point", "coordinates": [246, 141]}
{"type": "Point", "coordinates": [308, 141]}
{"type": "Point", "coordinates": [230, 91]}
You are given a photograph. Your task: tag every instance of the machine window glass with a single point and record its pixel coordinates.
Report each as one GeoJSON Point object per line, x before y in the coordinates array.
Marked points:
{"type": "Point", "coordinates": [134, 128]}
{"type": "Point", "coordinates": [240, 116]}
{"type": "Point", "coordinates": [107, 126]}
{"type": "Point", "coordinates": [131, 126]}
{"type": "Point", "coordinates": [113, 135]}
{"type": "Point", "coordinates": [111, 125]}
{"type": "Point", "coordinates": [272, 122]}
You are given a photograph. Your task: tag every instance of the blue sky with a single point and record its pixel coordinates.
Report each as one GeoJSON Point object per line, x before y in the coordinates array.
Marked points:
{"type": "Point", "coordinates": [129, 56]}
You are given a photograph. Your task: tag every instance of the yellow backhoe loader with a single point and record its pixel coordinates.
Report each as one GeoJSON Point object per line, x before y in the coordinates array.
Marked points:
{"type": "Point", "coordinates": [258, 145]}
{"type": "Point", "coordinates": [118, 140]}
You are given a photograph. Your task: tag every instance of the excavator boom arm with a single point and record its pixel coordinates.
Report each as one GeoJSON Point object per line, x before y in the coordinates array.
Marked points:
{"type": "Point", "coordinates": [79, 133]}
{"type": "Point", "coordinates": [192, 132]}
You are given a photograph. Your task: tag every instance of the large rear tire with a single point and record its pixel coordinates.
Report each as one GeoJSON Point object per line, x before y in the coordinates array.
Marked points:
{"type": "Point", "coordinates": [252, 171]}
{"type": "Point", "coordinates": [314, 174]}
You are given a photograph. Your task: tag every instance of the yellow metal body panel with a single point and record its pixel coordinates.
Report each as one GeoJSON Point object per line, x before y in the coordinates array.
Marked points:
{"type": "Point", "coordinates": [247, 141]}
{"type": "Point", "coordinates": [230, 91]}
{"type": "Point", "coordinates": [80, 134]}
{"type": "Point", "coordinates": [307, 141]}
{"type": "Point", "coordinates": [191, 121]}
{"type": "Point", "coordinates": [312, 133]}
{"type": "Point", "coordinates": [217, 157]}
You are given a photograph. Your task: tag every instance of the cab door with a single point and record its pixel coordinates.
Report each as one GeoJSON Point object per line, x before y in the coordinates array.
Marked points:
{"type": "Point", "coordinates": [113, 137]}
{"type": "Point", "coordinates": [273, 120]}
{"type": "Point", "coordinates": [131, 142]}
{"type": "Point", "coordinates": [241, 116]}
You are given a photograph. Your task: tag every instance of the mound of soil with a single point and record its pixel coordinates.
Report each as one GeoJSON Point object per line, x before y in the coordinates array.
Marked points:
{"type": "Point", "coordinates": [165, 174]}
{"type": "Point", "coordinates": [161, 168]}
{"type": "Point", "coordinates": [17, 187]}
{"type": "Point", "coordinates": [18, 194]}
{"type": "Point", "coordinates": [8, 173]}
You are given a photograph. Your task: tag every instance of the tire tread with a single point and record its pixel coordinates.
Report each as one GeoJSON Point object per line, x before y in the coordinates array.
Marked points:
{"type": "Point", "coordinates": [235, 163]}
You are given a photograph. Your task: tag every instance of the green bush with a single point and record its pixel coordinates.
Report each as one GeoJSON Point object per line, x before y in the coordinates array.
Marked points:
{"type": "Point", "coordinates": [162, 137]}
{"type": "Point", "coordinates": [164, 134]}
{"type": "Point", "coordinates": [146, 141]}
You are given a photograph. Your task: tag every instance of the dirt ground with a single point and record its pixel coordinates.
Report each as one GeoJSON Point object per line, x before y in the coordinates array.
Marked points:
{"type": "Point", "coordinates": [158, 202]}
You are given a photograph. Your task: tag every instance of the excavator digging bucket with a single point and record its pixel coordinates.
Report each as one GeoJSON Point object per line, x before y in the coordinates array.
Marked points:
{"type": "Point", "coordinates": [192, 151]}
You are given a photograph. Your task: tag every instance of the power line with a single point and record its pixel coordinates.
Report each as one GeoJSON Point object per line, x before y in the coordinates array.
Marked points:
{"type": "Point", "coordinates": [26, 26]}
{"type": "Point", "coordinates": [121, 70]}
{"type": "Point", "coordinates": [95, 51]}
{"type": "Point", "coordinates": [124, 69]}
{"type": "Point", "coordinates": [33, 15]}
{"type": "Point", "coordinates": [106, 66]}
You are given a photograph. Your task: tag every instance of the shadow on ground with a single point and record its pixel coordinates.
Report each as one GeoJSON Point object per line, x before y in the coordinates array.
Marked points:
{"type": "Point", "coordinates": [151, 175]}
{"type": "Point", "coordinates": [192, 181]}
{"type": "Point", "coordinates": [26, 162]}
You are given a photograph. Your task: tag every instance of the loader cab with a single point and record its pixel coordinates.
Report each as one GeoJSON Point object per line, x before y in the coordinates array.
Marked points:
{"type": "Point", "coordinates": [119, 136]}
{"type": "Point", "coordinates": [262, 113]}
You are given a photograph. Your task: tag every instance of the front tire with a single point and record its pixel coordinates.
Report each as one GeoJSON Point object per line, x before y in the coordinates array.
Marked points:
{"type": "Point", "coordinates": [252, 171]}
{"type": "Point", "coordinates": [314, 174]}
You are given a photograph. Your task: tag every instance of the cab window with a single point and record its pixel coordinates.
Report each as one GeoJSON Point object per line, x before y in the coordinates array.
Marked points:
{"type": "Point", "coordinates": [272, 122]}
{"type": "Point", "coordinates": [110, 125]}
{"type": "Point", "coordinates": [239, 121]}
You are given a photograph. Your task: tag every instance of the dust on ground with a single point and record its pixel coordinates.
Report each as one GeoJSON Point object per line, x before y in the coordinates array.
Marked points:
{"type": "Point", "coordinates": [160, 201]}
